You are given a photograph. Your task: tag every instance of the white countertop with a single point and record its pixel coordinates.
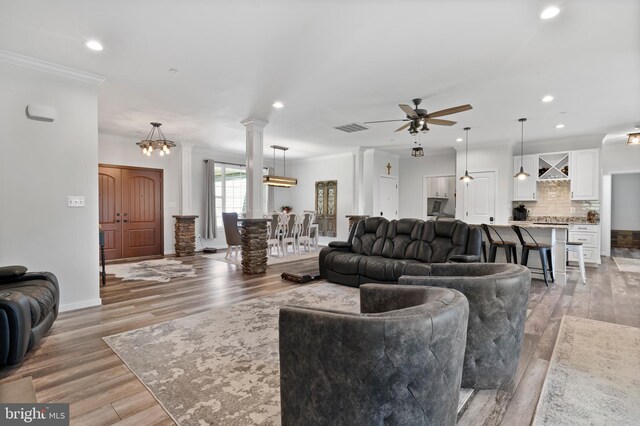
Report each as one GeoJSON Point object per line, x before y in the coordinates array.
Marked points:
{"type": "Point", "coordinates": [526, 224]}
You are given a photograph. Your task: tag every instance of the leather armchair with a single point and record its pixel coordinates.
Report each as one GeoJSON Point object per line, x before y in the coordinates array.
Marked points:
{"type": "Point", "coordinates": [28, 307]}
{"type": "Point", "coordinates": [498, 296]}
{"type": "Point", "coordinates": [399, 362]}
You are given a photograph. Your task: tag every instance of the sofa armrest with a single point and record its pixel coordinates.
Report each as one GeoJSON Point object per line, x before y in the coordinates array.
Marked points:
{"type": "Point", "coordinates": [8, 273]}
{"type": "Point", "coordinates": [464, 258]}
{"type": "Point", "coordinates": [341, 245]}
{"type": "Point", "coordinates": [17, 312]}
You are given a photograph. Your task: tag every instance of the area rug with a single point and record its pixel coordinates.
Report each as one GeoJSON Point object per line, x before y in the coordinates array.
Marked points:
{"type": "Point", "coordinates": [221, 367]}
{"type": "Point", "coordinates": [593, 376]}
{"type": "Point", "coordinates": [627, 265]}
{"type": "Point", "coordinates": [161, 270]}
{"type": "Point", "coordinates": [271, 260]}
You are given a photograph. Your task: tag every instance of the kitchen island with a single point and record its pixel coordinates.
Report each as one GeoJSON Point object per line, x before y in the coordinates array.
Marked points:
{"type": "Point", "coordinates": [554, 234]}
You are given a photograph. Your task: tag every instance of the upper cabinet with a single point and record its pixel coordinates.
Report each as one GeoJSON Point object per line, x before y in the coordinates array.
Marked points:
{"type": "Point", "coordinates": [584, 175]}
{"type": "Point", "coordinates": [553, 166]}
{"type": "Point", "coordinates": [525, 189]}
{"type": "Point", "coordinates": [440, 187]}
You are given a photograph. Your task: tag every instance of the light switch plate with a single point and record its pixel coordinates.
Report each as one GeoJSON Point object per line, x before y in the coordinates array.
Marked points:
{"type": "Point", "coordinates": [75, 201]}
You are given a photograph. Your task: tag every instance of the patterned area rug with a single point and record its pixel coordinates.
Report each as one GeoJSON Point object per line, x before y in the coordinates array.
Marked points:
{"type": "Point", "coordinates": [593, 377]}
{"type": "Point", "coordinates": [627, 264]}
{"type": "Point", "coordinates": [271, 260]}
{"type": "Point", "coordinates": [221, 367]}
{"type": "Point", "coordinates": [161, 270]}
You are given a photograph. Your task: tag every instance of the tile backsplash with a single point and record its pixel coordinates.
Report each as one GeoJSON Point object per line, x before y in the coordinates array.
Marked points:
{"type": "Point", "coordinates": [553, 199]}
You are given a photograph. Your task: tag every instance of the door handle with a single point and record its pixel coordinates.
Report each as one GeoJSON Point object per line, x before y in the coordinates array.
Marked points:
{"type": "Point", "coordinates": [117, 220]}
{"type": "Point", "coordinates": [125, 221]}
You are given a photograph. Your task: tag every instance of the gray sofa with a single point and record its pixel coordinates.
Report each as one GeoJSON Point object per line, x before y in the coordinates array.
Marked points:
{"type": "Point", "coordinates": [381, 251]}
{"type": "Point", "coordinates": [498, 294]}
{"type": "Point", "coordinates": [399, 362]}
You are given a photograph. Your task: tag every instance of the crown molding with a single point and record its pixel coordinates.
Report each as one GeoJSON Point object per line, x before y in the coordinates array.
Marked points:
{"type": "Point", "coordinates": [49, 67]}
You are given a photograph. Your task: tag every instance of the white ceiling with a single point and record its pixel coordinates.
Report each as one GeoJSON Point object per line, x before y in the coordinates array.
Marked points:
{"type": "Point", "coordinates": [337, 62]}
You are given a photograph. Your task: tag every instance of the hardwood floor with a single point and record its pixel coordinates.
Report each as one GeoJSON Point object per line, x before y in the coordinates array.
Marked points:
{"type": "Point", "coordinates": [73, 364]}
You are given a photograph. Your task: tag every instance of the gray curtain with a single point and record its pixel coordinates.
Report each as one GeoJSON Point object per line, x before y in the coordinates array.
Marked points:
{"type": "Point", "coordinates": [209, 219]}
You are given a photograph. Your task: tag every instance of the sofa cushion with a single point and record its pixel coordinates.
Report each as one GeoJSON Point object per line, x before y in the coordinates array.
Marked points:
{"type": "Point", "coordinates": [343, 262]}
{"type": "Point", "coordinates": [369, 236]}
{"type": "Point", "coordinates": [403, 239]}
{"type": "Point", "coordinates": [450, 238]}
{"type": "Point", "coordinates": [9, 272]}
{"type": "Point", "coordinates": [383, 269]}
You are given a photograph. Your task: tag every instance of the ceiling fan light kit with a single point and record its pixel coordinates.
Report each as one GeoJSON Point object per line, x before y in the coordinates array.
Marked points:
{"type": "Point", "coordinates": [466, 177]}
{"type": "Point", "coordinates": [161, 144]}
{"type": "Point", "coordinates": [275, 180]}
{"type": "Point", "coordinates": [417, 151]}
{"type": "Point", "coordinates": [633, 139]}
{"type": "Point", "coordinates": [522, 175]}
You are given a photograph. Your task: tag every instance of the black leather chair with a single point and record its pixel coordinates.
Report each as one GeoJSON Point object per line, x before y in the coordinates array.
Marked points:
{"type": "Point", "coordinates": [543, 249]}
{"type": "Point", "coordinates": [498, 295]}
{"type": "Point", "coordinates": [397, 363]}
{"type": "Point", "coordinates": [508, 246]}
{"type": "Point", "coordinates": [28, 307]}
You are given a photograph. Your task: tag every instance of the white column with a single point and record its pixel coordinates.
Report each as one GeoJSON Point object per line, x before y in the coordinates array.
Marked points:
{"type": "Point", "coordinates": [254, 130]}
{"type": "Point", "coordinates": [186, 176]}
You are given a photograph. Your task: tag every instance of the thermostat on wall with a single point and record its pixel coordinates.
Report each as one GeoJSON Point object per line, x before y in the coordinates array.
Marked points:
{"type": "Point", "coordinates": [41, 113]}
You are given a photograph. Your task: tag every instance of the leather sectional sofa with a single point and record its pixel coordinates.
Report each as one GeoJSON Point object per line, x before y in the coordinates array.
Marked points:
{"type": "Point", "coordinates": [381, 251]}
{"type": "Point", "coordinates": [28, 307]}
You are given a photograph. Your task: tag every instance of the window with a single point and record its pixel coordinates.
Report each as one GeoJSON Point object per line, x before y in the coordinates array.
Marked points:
{"type": "Point", "coordinates": [231, 190]}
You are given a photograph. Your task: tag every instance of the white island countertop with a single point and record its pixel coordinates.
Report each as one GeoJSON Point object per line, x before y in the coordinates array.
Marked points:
{"type": "Point", "coordinates": [526, 224]}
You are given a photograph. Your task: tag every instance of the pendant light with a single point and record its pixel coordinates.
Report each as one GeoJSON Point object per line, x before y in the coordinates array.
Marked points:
{"type": "Point", "coordinates": [151, 143]}
{"type": "Point", "coordinates": [279, 181]}
{"type": "Point", "coordinates": [633, 139]}
{"type": "Point", "coordinates": [522, 174]}
{"type": "Point", "coordinates": [417, 150]}
{"type": "Point", "coordinates": [467, 177]}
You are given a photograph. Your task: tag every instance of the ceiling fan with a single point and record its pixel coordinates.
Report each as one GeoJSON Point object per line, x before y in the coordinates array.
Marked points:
{"type": "Point", "coordinates": [419, 118]}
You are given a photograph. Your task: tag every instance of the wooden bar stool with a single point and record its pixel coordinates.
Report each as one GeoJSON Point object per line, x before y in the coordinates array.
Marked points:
{"type": "Point", "coordinates": [508, 246]}
{"type": "Point", "coordinates": [577, 249]}
{"type": "Point", "coordinates": [543, 249]}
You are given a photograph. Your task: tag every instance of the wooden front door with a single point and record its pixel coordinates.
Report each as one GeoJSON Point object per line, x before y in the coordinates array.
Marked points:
{"type": "Point", "coordinates": [131, 211]}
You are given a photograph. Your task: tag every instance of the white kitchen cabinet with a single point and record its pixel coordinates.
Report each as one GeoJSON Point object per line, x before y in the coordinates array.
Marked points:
{"type": "Point", "coordinates": [589, 236]}
{"type": "Point", "coordinates": [525, 189]}
{"type": "Point", "coordinates": [584, 171]}
{"type": "Point", "coordinates": [440, 187]}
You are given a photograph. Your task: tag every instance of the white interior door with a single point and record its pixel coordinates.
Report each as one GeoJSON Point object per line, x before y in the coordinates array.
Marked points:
{"type": "Point", "coordinates": [388, 197]}
{"type": "Point", "coordinates": [480, 198]}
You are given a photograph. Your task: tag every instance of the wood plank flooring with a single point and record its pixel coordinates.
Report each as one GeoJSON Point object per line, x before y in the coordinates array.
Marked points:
{"type": "Point", "coordinates": [73, 364]}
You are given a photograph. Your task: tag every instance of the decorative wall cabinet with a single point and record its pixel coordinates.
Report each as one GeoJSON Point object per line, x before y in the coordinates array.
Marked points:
{"type": "Point", "coordinates": [584, 175]}
{"type": "Point", "coordinates": [525, 189]}
{"type": "Point", "coordinates": [326, 207]}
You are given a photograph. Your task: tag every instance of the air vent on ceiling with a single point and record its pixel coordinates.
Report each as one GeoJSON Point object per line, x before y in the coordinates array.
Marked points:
{"type": "Point", "coordinates": [353, 127]}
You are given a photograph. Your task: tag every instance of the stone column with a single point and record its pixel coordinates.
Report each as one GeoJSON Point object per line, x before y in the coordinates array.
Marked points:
{"type": "Point", "coordinates": [185, 235]}
{"type": "Point", "coordinates": [254, 245]}
{"type": "Point", "coordinates": [254, 130]}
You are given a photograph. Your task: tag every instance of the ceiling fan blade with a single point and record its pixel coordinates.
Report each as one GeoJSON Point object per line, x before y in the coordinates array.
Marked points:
{"type": "Point", "coordinates": [408, 110]}
{"type": "Point", "coordinates": [404, 126]}
{"type": "Point", "coordinates": [382, 121]}
{"type": "Point", "coordinates": [440, 122]}
{"type": "Point", "coordinates": [448, 111]}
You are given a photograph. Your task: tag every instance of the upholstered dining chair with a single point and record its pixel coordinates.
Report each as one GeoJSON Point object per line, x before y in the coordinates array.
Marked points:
{"type": "Point", "coordinates": [232, 234]}
{"type": "Point", "coordinates": [290, 233]}
{"type": "Point", "coordinates": [274, 233]}
{"type": "Point", "coordinates": [399, 362]}
{"type": "Point", "coordinates": [304, 231]}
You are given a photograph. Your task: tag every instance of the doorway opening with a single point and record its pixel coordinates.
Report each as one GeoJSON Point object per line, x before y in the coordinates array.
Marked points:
{"type": "Point", "coordinates": [625, 204]}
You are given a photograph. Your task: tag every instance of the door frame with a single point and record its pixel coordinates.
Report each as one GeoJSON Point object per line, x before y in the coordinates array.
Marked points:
{"type": "Point", "coordinates": [463, 199]}
{"type": "Point", "coordinates": [606, 212]}
{"type": "Point", "coordinates": [424, 192]}
{"type": "Point", "coordinates": [394, 178]}
{"type": "Point", "coordinates": [161, 198]}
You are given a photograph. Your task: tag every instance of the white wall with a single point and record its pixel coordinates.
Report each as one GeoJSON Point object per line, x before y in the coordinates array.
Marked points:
{"type": "Point", "coordinates": [483, 159]}
{"type": "Point", "coordinates": [625, 202]}
{"type": "Point", "coordinates": [122, 151]}
{"type": "Point", "coordinates": [375, 165]}
{"type": "Point", "coordinates": [302, 197]}
{"type": "Point", "coordinates": [412, 173]}
{"type": "Point", "coordinates": [41, 163]}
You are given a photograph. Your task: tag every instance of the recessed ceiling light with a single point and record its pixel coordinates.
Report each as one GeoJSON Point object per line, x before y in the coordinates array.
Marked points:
{"type": "Point", "coordinates": [174, 70]}
{"type": "Point", "coordinates": [94, 45]}
{"type": "Point", "coordinates": [549, 12]}
{"type": "Point", "coordinates": [459, 140]}
{"type": "Point", "coordinates": [547, 98]}
{"type": "Point", "coordinates": [559, 126]}
{"type": "Point", "coordinates": [277, 104]}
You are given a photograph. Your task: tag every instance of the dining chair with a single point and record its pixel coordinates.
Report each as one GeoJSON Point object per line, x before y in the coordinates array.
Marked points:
{"type": "Point", "coordinates": [304, 234]}
{"type": "Point", "coordinates": [289, 233]}
{"type": "Point", "coordinates": [232, 234]}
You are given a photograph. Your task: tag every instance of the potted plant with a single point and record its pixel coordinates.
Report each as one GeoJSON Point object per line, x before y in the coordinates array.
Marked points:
{"type": "Point", "coordinates": [286, 209]}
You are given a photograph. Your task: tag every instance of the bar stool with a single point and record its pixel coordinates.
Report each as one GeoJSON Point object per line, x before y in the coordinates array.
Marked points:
{"type": "Point", "coordinates": [508, 246]}
{"type": "Point", "coordinates": [577, 249]}
{"type": "Point", "coordinates": [543, 249]}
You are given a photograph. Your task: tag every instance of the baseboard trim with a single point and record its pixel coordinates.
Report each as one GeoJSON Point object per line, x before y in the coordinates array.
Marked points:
{"type": "Point", "coordinates": [80, 305]}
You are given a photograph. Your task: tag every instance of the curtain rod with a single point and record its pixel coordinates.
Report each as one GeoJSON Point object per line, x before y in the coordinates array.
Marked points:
{"type": "Point", "coordinates": [228, 164]}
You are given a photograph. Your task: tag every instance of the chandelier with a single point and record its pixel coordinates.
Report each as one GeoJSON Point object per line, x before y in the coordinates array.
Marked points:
{"type": "Point", "coordinates": [160, 144]}
{"type": "Point", "coordinates": [279, 181]}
